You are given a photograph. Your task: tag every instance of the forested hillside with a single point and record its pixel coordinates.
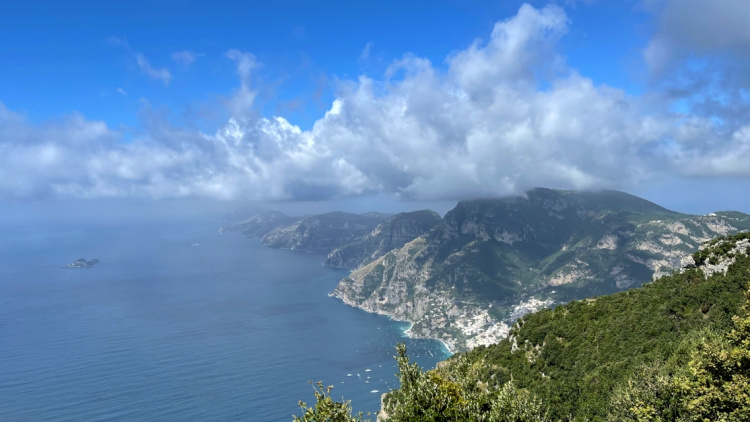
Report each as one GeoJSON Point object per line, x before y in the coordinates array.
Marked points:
{"type": "Point", "coordinates": [675, 349]}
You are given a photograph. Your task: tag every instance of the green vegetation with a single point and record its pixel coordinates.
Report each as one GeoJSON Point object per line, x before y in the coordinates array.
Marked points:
{"type": "Point", "coordinates": [705, 380]}
{"type": "Point", "coordinates": [435, 396]}
{"type": "Point", "coordinates": [718, 249]}
{"type": "Point", "coordinates": [575, 355]}
{"type": "Point", "coordinates": [326, 409]}
{"type": "Point", "coordinates": [456, 396]}
{"type": "Point", "coordinates": [677, 349]}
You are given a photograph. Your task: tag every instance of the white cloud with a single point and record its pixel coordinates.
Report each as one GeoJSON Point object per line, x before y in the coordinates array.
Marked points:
{"type": "Point", "coordinates": [699, 58]}
{"type": "Point", "coordinates": [365, 54]}
{"type": "Point", "coordinates": [481, 127]}
{"type": "Point", "coordinates": [185, 57]}
{"type": "Point", "coordinates": [153, 73]}
{"type": "Point", "coordinates": [143, 64]}
{"type": "Point", "coordinates": [519, 48]}
{"type": "Point", "coordinates": [243, 99]}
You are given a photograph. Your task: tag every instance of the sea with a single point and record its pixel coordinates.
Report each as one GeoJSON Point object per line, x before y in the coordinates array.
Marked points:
{"type": "Point", "coordinates": [180, 323]}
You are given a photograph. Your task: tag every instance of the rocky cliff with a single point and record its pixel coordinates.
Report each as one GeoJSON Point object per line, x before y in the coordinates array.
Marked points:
{"type": "Point", "coordinates": [260, 224]}
{"type": "Point", "coordinates": [391, 234]}
{"type": "Point", "coordinates": [322, 233]}
{"type": "Point", "coordinates": [489, 262]}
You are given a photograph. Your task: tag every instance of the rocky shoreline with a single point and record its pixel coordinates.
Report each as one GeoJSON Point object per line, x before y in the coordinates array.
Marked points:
{"type": "Point", "coordinates": [458, 328]}
{"type": "Point", "coordinates": [450, 347]}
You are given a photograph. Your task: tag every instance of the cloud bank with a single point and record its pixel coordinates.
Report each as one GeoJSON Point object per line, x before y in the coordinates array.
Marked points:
{"type": "Point", "coordinates": [500, 116]}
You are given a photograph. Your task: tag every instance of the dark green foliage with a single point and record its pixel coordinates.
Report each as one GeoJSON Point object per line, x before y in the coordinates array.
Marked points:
{"type": "Point", "coordinates": [434, 396]}
{"type": "Point", "coordinates": [706, 379]}
{"type": "Point", "coordinates": [718, 248]}
{"type": "Point", "coordinates": [454, 394]}
{"type": "Point", "coordinates": [716, 385]}
{"type": "Point", "coordinates": [326, 409]}
{"type": "Point", "coordinates": [574, 355]}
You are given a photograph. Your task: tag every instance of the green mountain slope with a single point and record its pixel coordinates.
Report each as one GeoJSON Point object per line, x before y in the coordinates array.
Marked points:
{"type": "Point", "coordinates": [490, 261]}
{"type": "Point", "coordinates": [574, 356]}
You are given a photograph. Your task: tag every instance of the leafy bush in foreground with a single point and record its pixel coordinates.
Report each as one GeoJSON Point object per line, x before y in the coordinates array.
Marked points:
{"type": "Point", "coordinates": [433, 397]}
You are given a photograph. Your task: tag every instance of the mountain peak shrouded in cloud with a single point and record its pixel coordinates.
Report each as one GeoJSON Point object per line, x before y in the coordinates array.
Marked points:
{"type": "Point", "coordinates": [500, 115]}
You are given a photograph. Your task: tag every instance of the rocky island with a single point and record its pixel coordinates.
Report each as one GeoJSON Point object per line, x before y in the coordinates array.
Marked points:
{"type": "Point", "coordinates": [82, 263]}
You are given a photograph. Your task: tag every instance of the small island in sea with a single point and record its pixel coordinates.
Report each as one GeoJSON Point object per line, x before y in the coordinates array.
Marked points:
{"type": "Point", "coordinates": [82, 263]}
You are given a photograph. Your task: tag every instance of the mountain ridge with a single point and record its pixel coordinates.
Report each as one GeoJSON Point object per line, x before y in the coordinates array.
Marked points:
{"type": "Point", "coordinates": [466, 277]}
{"type": "Point", "coordinates": [393, 233]}
{"type": "Point", "coordinates": [349, 240]}
{"type": "Point", "coordinates": [491, 260]}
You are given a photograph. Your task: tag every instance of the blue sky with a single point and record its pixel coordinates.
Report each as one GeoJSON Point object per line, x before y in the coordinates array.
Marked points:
{"type": "Point", "coordinates": [70, 56]}
{"type": "Point", "coordinates": [341, 100]}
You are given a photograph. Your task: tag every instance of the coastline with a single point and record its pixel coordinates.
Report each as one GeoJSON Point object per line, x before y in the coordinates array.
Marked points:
{"type": "Point", "coordinates": [449, 347]}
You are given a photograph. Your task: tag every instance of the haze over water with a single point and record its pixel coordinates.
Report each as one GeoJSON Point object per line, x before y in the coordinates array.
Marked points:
{"type": "Point", "coordinates": [161, 330]}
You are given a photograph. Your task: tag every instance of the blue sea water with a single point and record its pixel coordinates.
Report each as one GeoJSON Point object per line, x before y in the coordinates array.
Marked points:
{"type": "Point", "coordinates": [164, 331]}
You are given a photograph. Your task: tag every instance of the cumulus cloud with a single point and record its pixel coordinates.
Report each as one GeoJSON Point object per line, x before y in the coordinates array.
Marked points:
{"type": "Point", "coordinates": [153, 73]}
{"type": "Point", "coordinates": [480, 127]}
{"type": "Point", "coordinates": [518, 50]}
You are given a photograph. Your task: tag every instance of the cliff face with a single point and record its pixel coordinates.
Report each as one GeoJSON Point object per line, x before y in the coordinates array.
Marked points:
{"type": "Point", "coordinates": [322, 233]}
{"type": "Point", "coordinates": [260, 224]}
{"type": "Point", "coordinates": [490, 261]}
{"type": "Point", "coordinates": [388, 235]}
